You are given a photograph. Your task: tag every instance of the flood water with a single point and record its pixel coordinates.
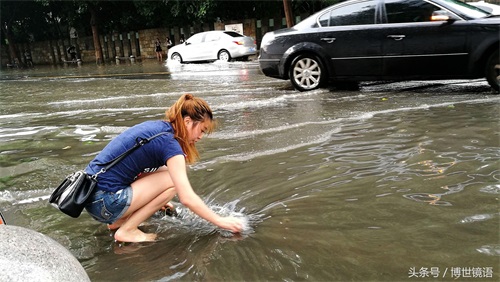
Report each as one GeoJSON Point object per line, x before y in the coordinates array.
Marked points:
{"type": "Point", "coordinates": [394, 182]}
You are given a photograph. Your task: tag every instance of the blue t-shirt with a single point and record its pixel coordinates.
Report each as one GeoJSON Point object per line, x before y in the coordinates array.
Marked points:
{"type": "Point", "coordinates": [147, 158]}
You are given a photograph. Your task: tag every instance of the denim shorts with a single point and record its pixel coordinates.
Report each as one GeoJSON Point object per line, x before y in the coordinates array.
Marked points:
{"type": "Point", "coordinates": [107, 207]}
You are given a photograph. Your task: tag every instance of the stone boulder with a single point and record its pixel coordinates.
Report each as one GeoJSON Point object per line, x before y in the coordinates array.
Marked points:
{"type": "Point", "coordinates": [26, 255]}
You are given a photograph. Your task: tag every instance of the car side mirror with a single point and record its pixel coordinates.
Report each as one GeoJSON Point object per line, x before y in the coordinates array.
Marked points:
{"type": "Point", "coordinates": [441, 15]}
{"type": "Point", "coordinates": [186, 43]}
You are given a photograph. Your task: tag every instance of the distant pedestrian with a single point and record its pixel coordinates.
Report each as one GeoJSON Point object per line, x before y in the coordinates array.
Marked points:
{"type": "Point", "coordinates": [158, 50]}
{"type": "Point", "coordinates": [168, 42]}
{"type": "Point", "coordinates": [27, 57]}
{"type": "Point", "coordinates": [72, 52]}
{"type": "Point", "coordinates": [182, 40]}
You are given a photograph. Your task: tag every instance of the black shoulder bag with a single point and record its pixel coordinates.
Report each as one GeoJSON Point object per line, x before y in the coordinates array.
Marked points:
{"type": "Point", "coordinates": [72, 194]}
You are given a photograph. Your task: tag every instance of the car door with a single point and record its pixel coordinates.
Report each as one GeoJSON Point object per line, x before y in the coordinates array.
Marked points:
{"type": "Point", "coordinates": [212, 45]}
{"type": "Point", "coordinates": [417, 46]}
{"type": "Point", "coordinates": [193, 49]}
{"type": "Point", "coordinates": [350, 36]}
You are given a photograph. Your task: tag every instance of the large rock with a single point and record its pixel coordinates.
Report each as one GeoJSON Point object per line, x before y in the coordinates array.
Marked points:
{"type": "Point", "coordinates": [26, 255]}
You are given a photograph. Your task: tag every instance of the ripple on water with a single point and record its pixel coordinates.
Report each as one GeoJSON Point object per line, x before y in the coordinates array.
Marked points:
{"type": "Point", "coordinates": [432, 199]}
{"type": "Point", "coordinates": [490, 250]}
{"type": "Point", "coordinates": [491, 189]}
{"type": "Point", "coordinates": [478, 217]}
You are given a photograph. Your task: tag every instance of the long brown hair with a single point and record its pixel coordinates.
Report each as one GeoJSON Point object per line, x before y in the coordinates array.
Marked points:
{"type": "Point", "coordinates": [199, 111]}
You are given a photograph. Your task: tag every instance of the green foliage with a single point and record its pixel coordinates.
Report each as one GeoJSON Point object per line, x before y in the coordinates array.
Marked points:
{"type": "Point", "coordinates": [52, 19]}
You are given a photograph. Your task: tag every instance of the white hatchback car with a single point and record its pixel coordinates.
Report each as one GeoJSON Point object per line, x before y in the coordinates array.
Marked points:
{"type": "Point", "coordinates": [213, 45]}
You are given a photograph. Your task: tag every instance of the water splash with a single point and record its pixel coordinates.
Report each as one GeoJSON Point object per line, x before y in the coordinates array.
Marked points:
{"type": "Point", "coordinates": [187, 220]}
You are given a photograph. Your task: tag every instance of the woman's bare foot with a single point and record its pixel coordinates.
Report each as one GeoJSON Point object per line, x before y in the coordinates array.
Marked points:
{"type": "Point", "coordinates": [134, 235]}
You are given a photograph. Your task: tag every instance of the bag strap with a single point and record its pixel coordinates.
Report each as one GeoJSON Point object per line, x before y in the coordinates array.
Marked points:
{"type": "Point", "coordinates": [139, 142]}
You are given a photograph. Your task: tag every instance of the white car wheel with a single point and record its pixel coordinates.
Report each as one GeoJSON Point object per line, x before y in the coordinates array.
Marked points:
{"type": "Point", "coordinates": [176, 57]}
{"type": "Point", "coordinates": [306, 73]}
{"type": "Point", "coordinates": [224, 56]}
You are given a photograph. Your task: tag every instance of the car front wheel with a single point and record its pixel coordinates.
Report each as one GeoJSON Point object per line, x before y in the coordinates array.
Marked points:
{"type": "Point", "coordinates": [224, 56]}
{"type": "Point", "coordinates": [176, 57]}
{"type": "Point", "coordinates": [307, 72]}
{"type": "Point", "coordinates": [493, 71]}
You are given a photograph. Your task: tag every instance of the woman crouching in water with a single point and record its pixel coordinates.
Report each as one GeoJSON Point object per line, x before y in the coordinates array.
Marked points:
{"type": "Point", "coordinates": [146, 180]}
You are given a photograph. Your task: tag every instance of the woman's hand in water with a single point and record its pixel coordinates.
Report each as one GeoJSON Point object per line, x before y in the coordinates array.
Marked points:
{"type": "Point", "coordinates": [230, 223]}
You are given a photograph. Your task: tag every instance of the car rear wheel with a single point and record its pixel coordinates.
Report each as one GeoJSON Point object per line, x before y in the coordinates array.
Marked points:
{"type": "Point", "coordinates": [224, 56]}
{"type": "Point", "coordinates": [493, 71]}
{"type": "Point", "coordinates": [176, 57]}
{"type": "Point", "coordinates": [307, 72]}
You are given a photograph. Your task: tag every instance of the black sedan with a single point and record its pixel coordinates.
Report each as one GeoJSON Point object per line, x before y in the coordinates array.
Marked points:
{"type": "Point", "coordinates": [363, 40]}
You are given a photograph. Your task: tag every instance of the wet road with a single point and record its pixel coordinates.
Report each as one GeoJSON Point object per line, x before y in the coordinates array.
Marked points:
{"type": "Point", "coordinates": [384, 183]}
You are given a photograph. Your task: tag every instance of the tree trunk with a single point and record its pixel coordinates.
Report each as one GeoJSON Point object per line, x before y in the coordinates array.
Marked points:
{"type": "Point", "coordinates": [288, 13]}
{"type": "Point", "coordinates": [14, 54]}
{"type": "Point", "coordinates": [95, 35]}
{"type": "Point", "coordinates": [52, 54]}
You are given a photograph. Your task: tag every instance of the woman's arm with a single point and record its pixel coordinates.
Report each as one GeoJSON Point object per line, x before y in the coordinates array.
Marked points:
{"type": "Point", "coordinates": [177, 169]}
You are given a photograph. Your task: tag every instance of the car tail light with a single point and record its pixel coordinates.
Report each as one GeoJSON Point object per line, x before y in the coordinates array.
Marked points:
{"type": "Point", "coordinates": [239, 42]}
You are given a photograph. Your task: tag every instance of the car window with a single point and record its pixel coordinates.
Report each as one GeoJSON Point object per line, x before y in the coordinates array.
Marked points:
{"type": "Point", "coordinates": [324, 20]}
{"type": "Point", "coordinates": [212, 36]}
{"type": "Point", "coordinates": [409, 11]}
{"type": "Point", "coordinates": [354, 14]}
{"type": "Point", "coordinates": [233, 34]}
{"type": "Point", "coordinates": [195, 39]}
